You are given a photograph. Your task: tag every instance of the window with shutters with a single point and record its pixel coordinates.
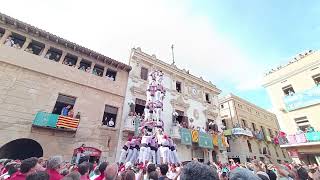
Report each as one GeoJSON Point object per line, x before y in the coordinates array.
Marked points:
{"type": "Point", "coordinates": [207, 96]}
{"type": "Point", "coordinates": [63, 101]}
{"type": "Point", "coordinates": [178, 86]}
{"type": "Point", "coordinates": [316, 79]}
{"type": "Point", "coordinates": [139, 106]}
{"type": "Point", "coordinates": [180, 116]}
{"type": "Point", "coordinates": [288, 90]}
{"type": "Point", "coordinates": [110, 116]}
{"type": "Point", "coordinates": [302, 122]}
{"type": "Point", "coordinates": [253, 126]}
{"type": "Point", "coordinates": [111, 74]}
{"type": "Point", "coordinates": [244, 123]}
{"type": "Point", "coordinates": [35, 47]}
{"type": "Point", "coordinates": [249, 146]}
{"type": "Point", "coordinates": [144, 73]}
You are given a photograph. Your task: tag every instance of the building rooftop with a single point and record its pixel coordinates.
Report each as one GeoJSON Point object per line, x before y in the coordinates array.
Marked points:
{"type": "Point", "coordinates": [173, 67]}
{"type": "Point", "coordinates": [294, 59]}
{"type": "Point", "coordinates": [232, 97]}
{"type": "Point", "coordinates": [34, 31]}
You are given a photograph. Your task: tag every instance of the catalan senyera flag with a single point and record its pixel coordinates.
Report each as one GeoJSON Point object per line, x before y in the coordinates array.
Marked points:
{"type": "Point", "coordinates": [67, 122]}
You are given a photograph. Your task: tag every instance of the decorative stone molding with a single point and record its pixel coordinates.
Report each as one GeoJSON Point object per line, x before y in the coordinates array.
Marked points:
{"type": "Point", "coordinates": [210, 114]}
{"type": "Point", "coordinates": [141, 90]}
{"type": "Point", "coordinates": [179, 102]}
{"type": "Point", "coordinates": [196, 114]}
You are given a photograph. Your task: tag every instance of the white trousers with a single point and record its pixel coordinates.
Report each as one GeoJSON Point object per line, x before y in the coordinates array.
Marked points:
{"type": "Point", "coordinates": [158, 156]}
{"type": "Point", "coordinates": [129, 155]}
{"type": "Point", "coordinates": [164, 153]}
{"type": "Point", "coordinates": [174, 157]}
{"type": "Point", "coordinates": [144, 154]}
{"type": "Point", "coordinates": [153, 156]}
{"type": "Point", "coordinates": [134, 156]}
{"type": "Point", "coordinates": [123, 156]}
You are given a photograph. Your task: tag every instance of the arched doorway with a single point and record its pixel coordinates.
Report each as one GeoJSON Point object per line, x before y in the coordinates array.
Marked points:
{"type": "Point", "coordinates": [21, 149]}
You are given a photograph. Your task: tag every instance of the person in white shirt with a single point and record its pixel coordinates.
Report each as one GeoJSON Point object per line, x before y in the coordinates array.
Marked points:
{"type": "Point", "coordinates": [9, 42]}
{"type": "Point", "coordinates": [111, 123]}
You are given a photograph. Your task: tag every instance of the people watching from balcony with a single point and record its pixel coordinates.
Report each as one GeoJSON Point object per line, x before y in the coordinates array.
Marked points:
{"type": "Point", "coordinates": [110, 78]}
{"type": "Point", "coordinates": [9, 42]}
{"type": "Point", "coordinates": [48, 55]}
{"type": "Point", "coordinates": [83, 68]}
{"type": "Point", "coordinates": [29, 50]}
{"type": "Point", "coordinates": [52, 56]}
{"type": "Point", "coordinates": [65, 110]}
{"type": "Point", "coordinates": [71, 113]}
{"type": "Point", "coordinates": [111, 122]}
{"type": "Point", "coordinates": [88, 69]}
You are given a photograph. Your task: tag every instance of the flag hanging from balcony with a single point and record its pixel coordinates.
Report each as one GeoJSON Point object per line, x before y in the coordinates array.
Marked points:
{"type": "Point", "coordinates": [67, 123]}
{"type": "Point", "coordinates": [185, 136]}
{"type": "Point", "coordinates": [46, 120]}
{"type": "Point", "coordinates": [205, 140]}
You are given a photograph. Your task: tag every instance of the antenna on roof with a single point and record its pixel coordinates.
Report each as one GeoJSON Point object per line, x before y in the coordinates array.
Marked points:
{"type": "Point", "coordinates": [172, 54]}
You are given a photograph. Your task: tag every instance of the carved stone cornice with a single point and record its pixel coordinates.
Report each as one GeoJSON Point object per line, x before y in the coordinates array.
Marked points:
{"type": "Point", "coordinates": [141, 90]}
{"type": "Point", "coordinates": [210, 114]}
{"type": "Point", "coordinates": [179, 102]}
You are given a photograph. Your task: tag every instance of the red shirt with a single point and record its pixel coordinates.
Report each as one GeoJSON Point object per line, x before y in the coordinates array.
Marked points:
{"type": "Point", "coordinates": [101, 177]}
{"type": "Point", "coordinates": [54, 175]}
{"type": "Point", "coordinates": [18, 176]}
{"type": "Point", "coordinates": [84, 177]}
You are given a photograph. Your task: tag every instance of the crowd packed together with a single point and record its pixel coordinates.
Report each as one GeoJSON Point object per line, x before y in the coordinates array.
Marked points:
{"type": "Point", "coordinates": [55, 168]}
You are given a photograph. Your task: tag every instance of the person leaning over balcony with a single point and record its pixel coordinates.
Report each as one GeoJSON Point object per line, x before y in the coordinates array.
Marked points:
{"type": "Point", "coordinates": [65, 110]}
{"type": "Point", "coordinates": [71, 113]}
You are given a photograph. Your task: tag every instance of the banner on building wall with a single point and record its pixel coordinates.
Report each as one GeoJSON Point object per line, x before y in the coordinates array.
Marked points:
{"type": "Point", "coordinates": [302, 99]}
{"type": "Point", "coordinates": [240, 131]}
{"type": "Point", "coordinates": [195, 136]}
{"type": "Point", "coordinates": [205, 140]}
{"type": "Point", "coordinates": [185, 136]}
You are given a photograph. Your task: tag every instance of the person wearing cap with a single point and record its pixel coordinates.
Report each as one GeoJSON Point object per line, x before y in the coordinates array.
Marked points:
{"type": "Point", "coordinates": [53, 166]}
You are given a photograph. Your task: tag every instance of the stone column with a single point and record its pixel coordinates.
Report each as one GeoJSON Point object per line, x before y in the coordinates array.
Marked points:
{"type": "Point", "coordinates": [45, 50]}
{"type": "Point", "coordinates": [5, 36]}
{"type": "Point", "coordinates": [210, 155]}
{"type": "Point", "coordinates": [104, 71]}
{"type": "Point", "coordinates": [26, 44]}
{"type": "Point", "coordinates": [64, 53]}
{"type": "Point", "coordinates": [78, 62]}
{"type": "Point", "coordinates": [92, 66]}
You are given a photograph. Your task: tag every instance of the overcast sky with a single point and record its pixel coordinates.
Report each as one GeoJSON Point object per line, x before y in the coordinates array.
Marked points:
{"type": "Point", "coordinates": [231, 43]}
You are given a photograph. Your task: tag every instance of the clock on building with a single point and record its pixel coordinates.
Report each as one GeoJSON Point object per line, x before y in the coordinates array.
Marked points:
{"type": "Point", "coordinates": [194, 91]}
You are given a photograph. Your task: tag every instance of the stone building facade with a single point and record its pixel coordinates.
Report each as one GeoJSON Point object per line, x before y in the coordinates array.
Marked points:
{"type": "Point", "coordinates": [34, 83]}
{"type": "Point", "coordinates": [194, 99]}
{"type": "Point", "coordinates": [246, 122]}
{"type": "Point", "coordinates": [295, 95]}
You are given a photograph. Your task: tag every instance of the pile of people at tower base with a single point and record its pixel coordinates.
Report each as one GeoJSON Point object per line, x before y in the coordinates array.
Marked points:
{"type": "Point", "coordinates": [55, 168]}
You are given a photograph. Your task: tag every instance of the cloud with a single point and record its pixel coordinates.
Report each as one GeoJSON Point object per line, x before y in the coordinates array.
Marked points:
{"type": "Point", "coordinates": [114, 27]}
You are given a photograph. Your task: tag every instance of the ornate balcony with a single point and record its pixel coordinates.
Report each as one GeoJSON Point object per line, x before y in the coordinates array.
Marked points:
{"type": "Point", "coordinates": [175, 132]}
{"type": "Point", "coordinates": [55, 121]}
{"type": "Point", "coordinates": [130, 124]}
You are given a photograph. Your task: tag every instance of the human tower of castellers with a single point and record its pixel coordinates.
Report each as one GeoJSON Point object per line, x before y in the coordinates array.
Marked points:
{"type": "Point", "coordinates": [152, 145]}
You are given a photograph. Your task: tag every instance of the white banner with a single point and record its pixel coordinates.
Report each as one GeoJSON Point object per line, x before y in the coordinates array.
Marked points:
{"type": "Point", "coordinates": [240, 131]}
